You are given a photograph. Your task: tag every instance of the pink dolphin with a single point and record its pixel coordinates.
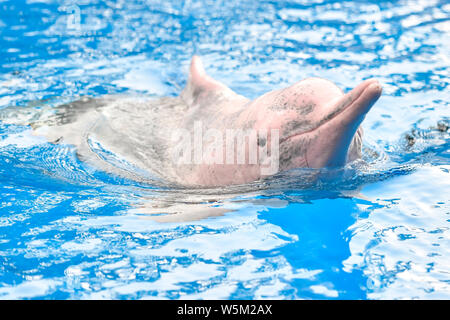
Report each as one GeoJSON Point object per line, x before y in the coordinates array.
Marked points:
{"type": "Point", "coordinates": [309, 124]}
{"type": "Point", "coordinates": [318, 125]}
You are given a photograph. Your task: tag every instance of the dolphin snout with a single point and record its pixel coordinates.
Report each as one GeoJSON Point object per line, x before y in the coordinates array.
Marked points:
{"type": "Point", "coordinates": [336, 132]}
{"type": "Point", "coordinates": [367, 93]}
{"type": "Point", "coordinates": [353, 106]}
{"type": "Point", "coordinates": [371, 92]}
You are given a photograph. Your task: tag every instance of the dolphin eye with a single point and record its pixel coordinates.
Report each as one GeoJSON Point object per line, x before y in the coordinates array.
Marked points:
{"type": "Point", "coordinates": [261, 141]}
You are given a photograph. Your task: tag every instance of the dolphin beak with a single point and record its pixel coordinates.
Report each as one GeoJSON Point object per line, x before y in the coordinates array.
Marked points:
{"type": "Point", "coordinates": [335, 135]}
{"type": "Point", "coordinates": [354, 105]}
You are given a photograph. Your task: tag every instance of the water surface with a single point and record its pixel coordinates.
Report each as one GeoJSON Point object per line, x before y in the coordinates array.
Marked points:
{"type": "Point", "coordinates": [381, 231]}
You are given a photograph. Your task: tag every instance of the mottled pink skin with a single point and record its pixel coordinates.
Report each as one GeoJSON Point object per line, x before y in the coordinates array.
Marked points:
{"type": "Point", "coordinates": [328, 139]}
{"type": "Point", "coordinates": [316, 120]}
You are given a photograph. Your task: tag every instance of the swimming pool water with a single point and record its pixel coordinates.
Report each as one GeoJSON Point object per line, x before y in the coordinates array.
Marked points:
{"type": "Point", "coordinates": [380, 231]}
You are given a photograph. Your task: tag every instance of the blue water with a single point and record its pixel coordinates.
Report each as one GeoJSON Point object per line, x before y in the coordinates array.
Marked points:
{"type": "Point", "coordinates": [381, 231]}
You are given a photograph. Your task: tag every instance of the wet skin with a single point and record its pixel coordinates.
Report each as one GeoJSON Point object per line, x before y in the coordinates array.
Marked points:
{"type": "Point", "coordinates": [317, 124]}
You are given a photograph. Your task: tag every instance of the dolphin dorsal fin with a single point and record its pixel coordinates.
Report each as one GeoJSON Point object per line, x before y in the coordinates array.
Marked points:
{"type": "Point", "coordinates": [200, 85]}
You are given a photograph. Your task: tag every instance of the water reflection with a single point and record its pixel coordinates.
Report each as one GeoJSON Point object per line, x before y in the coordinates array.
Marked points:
{"type": "Point", "coordinates": [69, 231]}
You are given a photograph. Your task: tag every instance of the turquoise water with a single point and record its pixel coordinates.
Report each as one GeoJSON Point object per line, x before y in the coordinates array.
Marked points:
{"type": "Point", "coordinates": [380, 231]}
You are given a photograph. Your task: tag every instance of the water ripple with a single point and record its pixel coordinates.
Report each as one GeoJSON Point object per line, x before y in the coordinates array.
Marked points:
{"type": "Point", "coordinates": [378, 229]}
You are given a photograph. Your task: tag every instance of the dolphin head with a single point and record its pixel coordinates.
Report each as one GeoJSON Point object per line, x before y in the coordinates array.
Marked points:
{"type": "Point", "coordinates": [319, 125]}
